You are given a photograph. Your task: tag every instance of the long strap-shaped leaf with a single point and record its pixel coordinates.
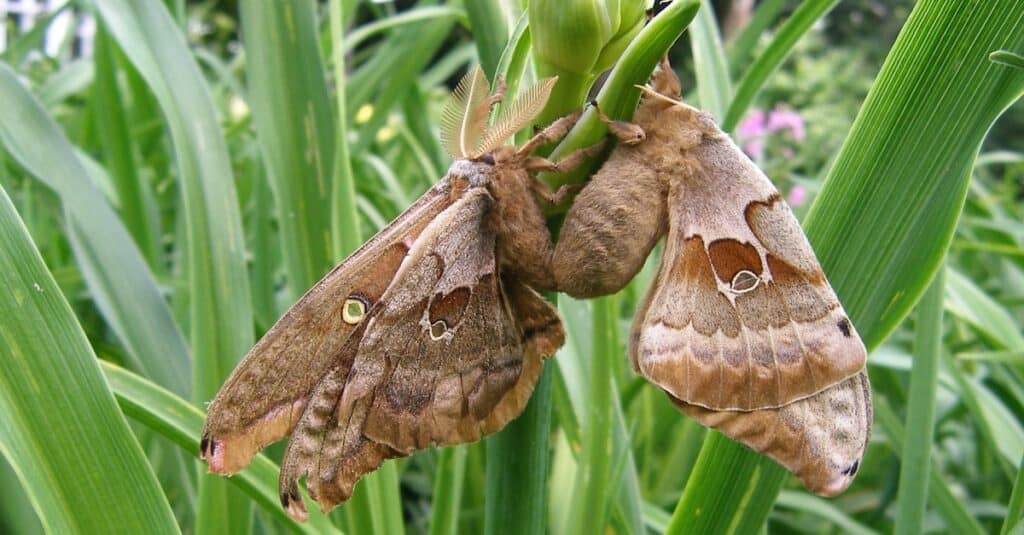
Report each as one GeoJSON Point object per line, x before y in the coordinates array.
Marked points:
{"type": "Point", "coordinates": [60, 429]}
{"type": "Point", "coordinates": [219, 300]}
{"type": "Point", "coordinates": [115, 272]}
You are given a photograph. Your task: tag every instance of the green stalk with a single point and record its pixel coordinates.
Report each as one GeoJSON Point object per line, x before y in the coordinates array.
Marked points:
{"type": "Point", "coordinates": [950, 507]}
{"type": "Point", "coordinates": [517, 467]}
{"type": "Point", "coordinates": [589, 505]}
{"type": "Point", "coordinates": [448, 483]}
{"type": "Point", "coordinates": [346, 233]}
{"type": "Point", "coordinates": [920, 427]}
{"type": "Point", "coordinates": [295, 130]}
{"type": "Point", "coordinates": [791, 31]}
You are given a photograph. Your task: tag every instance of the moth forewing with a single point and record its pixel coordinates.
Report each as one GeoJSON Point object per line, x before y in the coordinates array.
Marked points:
{"type": "Point", "coordinates": [263, 397]}
{"type": "Point", "coordinates": [760, 346]}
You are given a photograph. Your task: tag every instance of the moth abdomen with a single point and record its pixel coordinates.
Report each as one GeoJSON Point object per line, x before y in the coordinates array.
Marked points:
{"type": "Point", "coordinates": [610, 229]}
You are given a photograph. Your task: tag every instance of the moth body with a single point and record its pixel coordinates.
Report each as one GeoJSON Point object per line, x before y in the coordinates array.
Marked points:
{"type": "Point", "coordinates": [428, 334]}
{"type": "Point", "coordinates": [740, 326]}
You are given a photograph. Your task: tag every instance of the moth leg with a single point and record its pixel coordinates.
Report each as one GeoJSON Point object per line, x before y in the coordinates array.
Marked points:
{"type": "Point", "coordinates": [627, 133]}
{"type": "Point", "coordinates": [497, 96]}
{"type": "Point", "coordinates": [665, 80]}
{"type": "Point", "coordinates": [555, 198]}
{"type": "Point", "coordinates": [574, 159]}
{"type": "Point", "coordinates": [551, 132]}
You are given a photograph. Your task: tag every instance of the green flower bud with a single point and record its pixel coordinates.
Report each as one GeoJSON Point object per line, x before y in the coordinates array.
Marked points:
{"type": "Point", "coordinates": [583, 37]}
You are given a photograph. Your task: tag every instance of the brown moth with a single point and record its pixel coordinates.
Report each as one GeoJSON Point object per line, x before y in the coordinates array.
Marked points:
{"type": "Point", "coordinates": [740, 326]}
{"type": "Point", "coordinates": [429, 334]}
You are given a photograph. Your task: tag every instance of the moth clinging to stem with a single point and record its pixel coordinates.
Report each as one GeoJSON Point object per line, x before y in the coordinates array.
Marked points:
{"type": "Point", "coordinates": [429, 334]}
{"type": "Point", "coordinates": [740, 326]}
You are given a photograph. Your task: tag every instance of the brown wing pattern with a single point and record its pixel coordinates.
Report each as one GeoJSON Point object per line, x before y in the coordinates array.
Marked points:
{"type": "Point", "coordinates": [264, 396]}
{"type": "Point", "coordinates": [821, 439]}
{"type": "Point", "coordinates": [443, 360]}
{"type": "Point", "coordinates": [741, 316]}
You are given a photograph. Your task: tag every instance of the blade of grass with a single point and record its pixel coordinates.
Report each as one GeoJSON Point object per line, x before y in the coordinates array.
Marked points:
{"type": "Point", "coordinates": [967, 301]}
{"type": "Point", "coordinates": [90, 476]}
{"type": "Point", "coordinates": [400, 59]}
{"type": "Point", "coordinates": [714, 90]}
{"type": "Point", "coordinates": [800, 501]}
{"type": "Point", "coordinates": [450, 477]}
{"type": "Point", "coordinates": [1015, 509]}
{"type": "Point", "coordinates": [945, 503]}
{"type": "Point", "coordinates": [410, 17]}
{"type": "Point", "coordinates": [743, 45]}
{"type": "Point", "coordinates": [346, 231]}
{"type": "Point", "coordinates": [589, 505]}
{"type": "Point", "coordinates": [490, 32]}
{"type": "Point", "coordinates": [517, 457]}
{"type": "Point", "coordinates": [112, 129]}
{"type": "Point", "coordinates": [924, 380]}
{"type": "Point", "coordinates": [292, 115]}
{"type": "Point", "coordinates": [116, 273]}
{"type": "Point", "coordinates": [220, 310]}
{"type": "Point", "coordinates": [750, 83]}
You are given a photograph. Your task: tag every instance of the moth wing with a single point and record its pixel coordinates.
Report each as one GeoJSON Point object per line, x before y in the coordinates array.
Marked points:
{"type": "Point", "coordinates": [821, 439]}
{"type": "Point", "coordinates": [740, 316]}
{"type": "Point", "coordinates": [265, 394]}
{"type": "Point", "coordinates": [444, 359]}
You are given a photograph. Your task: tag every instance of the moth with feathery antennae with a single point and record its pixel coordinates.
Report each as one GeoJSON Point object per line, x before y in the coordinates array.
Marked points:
{"type": "Point", "coordinates": [428, 334]}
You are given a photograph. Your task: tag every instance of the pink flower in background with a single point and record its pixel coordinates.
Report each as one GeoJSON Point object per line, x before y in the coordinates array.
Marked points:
{"type": "Point", "coordinates": [751, 133]}
{"type": "Point", "coordinates": [781, 119]}
{"type": "Point", "coordinates": [758, 124]}
{"type": "Point", "coordinates": [797, 195]}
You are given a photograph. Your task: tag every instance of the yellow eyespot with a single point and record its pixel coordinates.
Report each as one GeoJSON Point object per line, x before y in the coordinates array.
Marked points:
{"type": "Point", "coordinates": [353, 311]}
{"type": "Point", "coordinates": [437, 329]}
{"type": "Point", "coordinates": [744, 281]}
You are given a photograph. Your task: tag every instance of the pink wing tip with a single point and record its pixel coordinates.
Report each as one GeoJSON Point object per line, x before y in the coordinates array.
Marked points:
{"type": "Point", "coordinates": [297, 510]}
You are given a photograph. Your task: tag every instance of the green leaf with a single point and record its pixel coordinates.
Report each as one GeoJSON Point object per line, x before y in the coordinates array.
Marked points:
{"type": "Point", "coordinates": [794, 28]}
{"type": "Point", "coordinates": [295, 130]}
{"type": "Point", "coordinates": [916, 457]}
{"type": "Point", "coordinates": [60, 429]}
{"type": "Point", "coordinates": [220, 310]}
{"type": "Point", "coordinates": [346, 231]}
{"type": "Point", "coordinates": [714, 89]}
{"type": "Point", "coordinates": [115, 271]}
